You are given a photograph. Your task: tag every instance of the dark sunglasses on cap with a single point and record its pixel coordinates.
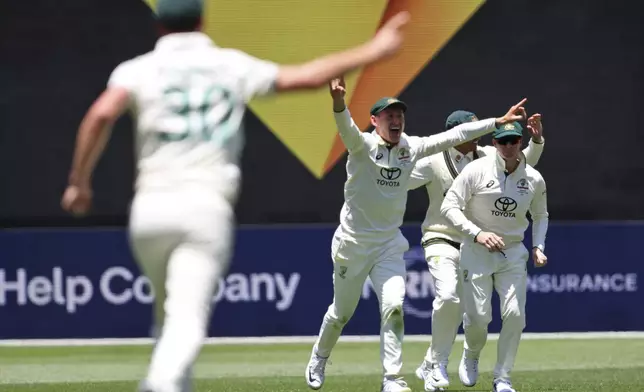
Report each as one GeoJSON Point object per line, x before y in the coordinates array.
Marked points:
{"type": "Point", "coordinates": [508, 140]}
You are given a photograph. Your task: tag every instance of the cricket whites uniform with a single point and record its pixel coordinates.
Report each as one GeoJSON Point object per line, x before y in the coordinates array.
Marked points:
{"type": "Point", "coordinates": [484, 197]}
{"type": "Point", "coordinates": [189, 98]}
{"type": "Point", "coordinates": [368, 241]}
{"type": "Point", "coordinates": [442, 241]}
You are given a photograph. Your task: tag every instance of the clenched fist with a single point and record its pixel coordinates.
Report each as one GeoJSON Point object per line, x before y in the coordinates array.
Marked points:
{"type": "Point", "coordinates": [77, 200]}
{"type": "Point", "coordinates": [539, 259]}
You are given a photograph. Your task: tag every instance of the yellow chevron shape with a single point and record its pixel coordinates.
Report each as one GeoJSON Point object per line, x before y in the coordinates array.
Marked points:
{"type": "Point", "coordinates": [294, 31]}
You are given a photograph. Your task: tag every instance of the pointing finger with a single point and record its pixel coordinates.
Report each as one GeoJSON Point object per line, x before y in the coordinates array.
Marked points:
{"type": "Point", "coordinates": [521, 103]}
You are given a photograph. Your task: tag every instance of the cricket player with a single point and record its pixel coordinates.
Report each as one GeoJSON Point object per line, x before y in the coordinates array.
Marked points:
{"type": "Point", "coordinates": [441, 241]}
{"type": "Point", "coordinates": [189, 98]}
{"type": "Point", "coordinates": [368, 241]}
{"type": "Point", "coordinates": [488, 204]}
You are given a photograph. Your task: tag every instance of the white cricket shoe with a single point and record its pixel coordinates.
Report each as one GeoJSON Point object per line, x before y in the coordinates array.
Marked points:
{"type": "Point", "coordinates": [423, 370]}
{"type": "Point", "coordinates": [502, 386]}
{"type": "Point", "coordinates": [438, 376]}
{"type": "Point", "coordinates": [395, 385]}
{"type": "Point", "coordinates": [434, 377]}
{"type": "Point", "coordinates": [314, 373]}
{"type": "Point", "coordinates": [468, 370]}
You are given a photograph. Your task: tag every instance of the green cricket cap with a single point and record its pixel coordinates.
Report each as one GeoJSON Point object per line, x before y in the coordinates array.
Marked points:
{"type": "Point", "coordinates": [509, 129]}
{"type": "Point", "coordinates": [173, 10]}
{"type": "Point", "coordinates": [459, 117]}
{"type": "Point", "coordinates": [384, 103]}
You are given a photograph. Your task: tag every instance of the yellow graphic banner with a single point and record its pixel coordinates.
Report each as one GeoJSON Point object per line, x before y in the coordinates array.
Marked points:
{"type": "Point", "coordinates": [294, 31]}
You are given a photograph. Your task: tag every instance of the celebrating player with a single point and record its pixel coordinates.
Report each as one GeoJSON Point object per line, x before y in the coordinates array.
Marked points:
{"type": "Point", "coordinates": [368, 241]}
{"type": "Point", "coordinates": [442, 241]}
{"type": "Point", "coordinates": [488, 203]}
{"type": "Point", "coordinates": [189, 96]}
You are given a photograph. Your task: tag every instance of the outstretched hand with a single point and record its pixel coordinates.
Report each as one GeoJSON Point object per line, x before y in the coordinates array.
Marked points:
{"type": "Point", "coordinates": [337, 88]}
{"type": "Point", "coordinates": [389, 38]}
{"type": "Point", "coordinates": [535, 127]}
{"type": "Point", "coordinates": [516, 113]}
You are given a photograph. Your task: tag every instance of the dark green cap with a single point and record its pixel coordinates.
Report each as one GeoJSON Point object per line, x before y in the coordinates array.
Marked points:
{"type": "Point", "coordinates": [459, 117]}
{"type": "Point", "coordinates": [384, 103]}
{"type": "Point", "coordinates": [509, 129]}
{"type": "Point", "coordinates": [174, 10]}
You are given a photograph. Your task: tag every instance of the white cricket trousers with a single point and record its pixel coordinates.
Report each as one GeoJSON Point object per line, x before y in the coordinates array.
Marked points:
{"type": "Point", "coordinates": [384, 264]}
{"type": "Point", "coordinates": [181, 240]}
{"type": "Point", "coordinates": [482, 271]}
{"type": "Point", "coordinates": [447, 311]}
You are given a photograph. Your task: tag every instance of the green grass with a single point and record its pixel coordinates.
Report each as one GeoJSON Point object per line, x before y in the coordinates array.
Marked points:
{"type": "Point", "coordinates": [542, 365]}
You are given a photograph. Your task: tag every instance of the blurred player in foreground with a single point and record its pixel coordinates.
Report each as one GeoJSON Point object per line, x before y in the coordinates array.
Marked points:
{"type": "Point", "coordinates": [488, 203]}
{"type": "Point", "coordinates": [442, 241]}
{"type": "Point", "coordinates": [189, 98]}
{"type": "Point", "coordinates": [368, 241]}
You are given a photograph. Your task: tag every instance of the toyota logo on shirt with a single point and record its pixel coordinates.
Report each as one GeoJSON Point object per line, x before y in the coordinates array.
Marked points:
{"type": "Point", "coordinates": [389, 175]}
{"type": "Point", "coordinates": [504, 207]}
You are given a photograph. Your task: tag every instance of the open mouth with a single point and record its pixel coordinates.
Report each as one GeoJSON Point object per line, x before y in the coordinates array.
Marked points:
{"type": "Point", "coordinates": [395, 130]}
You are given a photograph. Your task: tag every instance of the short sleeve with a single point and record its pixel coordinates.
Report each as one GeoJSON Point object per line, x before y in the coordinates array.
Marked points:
{"type": "Point", "coordinates": [259, 76]}
{"type": "Point", "coordinates": [123, 76]}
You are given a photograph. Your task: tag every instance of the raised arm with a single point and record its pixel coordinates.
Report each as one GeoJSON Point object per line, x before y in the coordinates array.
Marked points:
{"type": "Point", "coordinates": [458, 135]}
{"type": "Point", "coordinates": [318, 72]}
{"type": "Point", "coordinates": [535, 147]}
{"type": "Point", "coordinates": [350, 134]}
{"type": "Point", "coordinates": [468, 131]}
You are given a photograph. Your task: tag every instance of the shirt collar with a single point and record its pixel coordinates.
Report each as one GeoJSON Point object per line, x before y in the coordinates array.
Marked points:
{"type": "Point", "coordinates": [183, 40]}
{"type": "Point", "coordinates": [402, 143]}
{"type": "Point", "coordinates": [500, 163]}
{"type": "Point", "coordinates": [454, 153]}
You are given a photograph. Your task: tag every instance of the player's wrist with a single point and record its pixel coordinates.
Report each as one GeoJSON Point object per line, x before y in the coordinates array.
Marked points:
{"type": "Point", "coordinates": [537, 140]}
{"type": "Point", "coordinates": [339, 106]}
{"type": "Point", "coordinates": [78, 181]}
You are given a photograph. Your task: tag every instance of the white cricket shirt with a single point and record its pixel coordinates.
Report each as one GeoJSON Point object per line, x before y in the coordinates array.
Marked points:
{"type": "Point", "coordinates": [375, 191]}
{"type": "Point", "coordinates": [437, 172]}
{"type": "Point", "coordinates": [484, 197]}
{"type": "Point", "coordinates": [189, 97]}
